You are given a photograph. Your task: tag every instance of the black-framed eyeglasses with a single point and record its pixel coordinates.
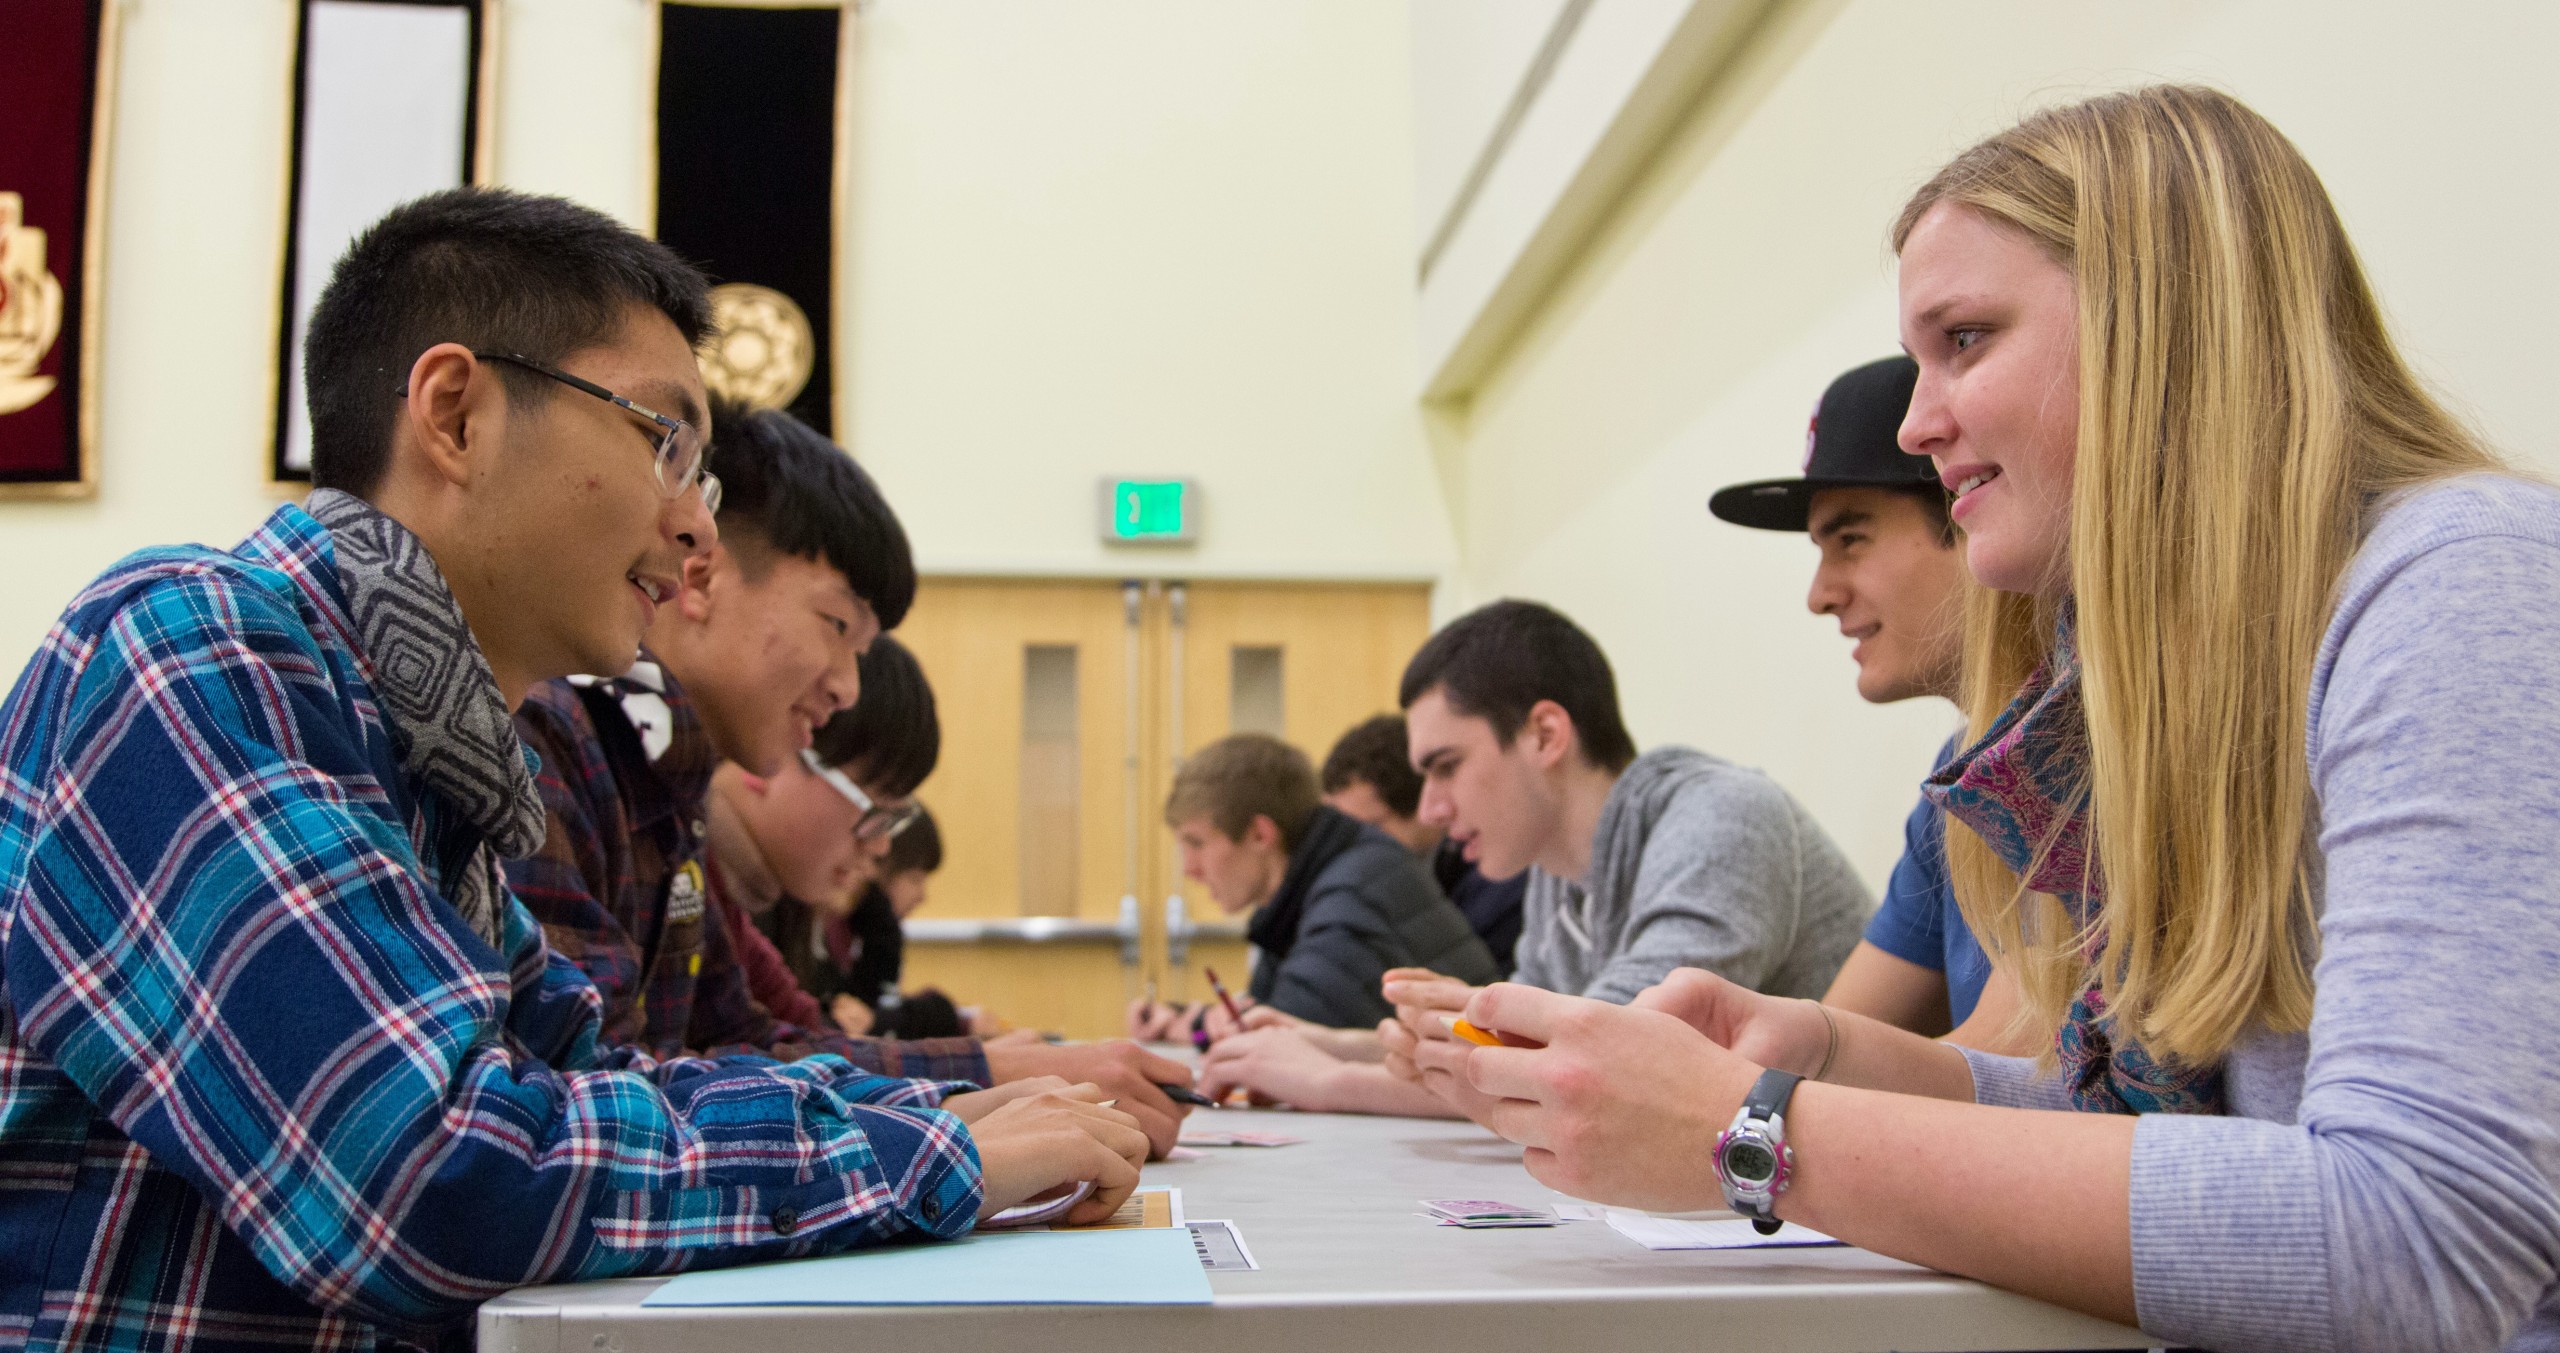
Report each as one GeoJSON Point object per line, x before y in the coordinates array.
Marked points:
{"type": "Point", "coordinates": [877, 823]}
{"type": "Point", "coordinates": [683, 451]}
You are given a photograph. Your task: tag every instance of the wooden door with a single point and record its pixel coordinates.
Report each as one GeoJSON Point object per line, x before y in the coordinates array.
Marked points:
{"type": "Point", "coordinates": [1302, 662]}
{"type": "Point", "coordinates": [1035, 795]}
{"type": "Point", "coordinates": [1065, 705]}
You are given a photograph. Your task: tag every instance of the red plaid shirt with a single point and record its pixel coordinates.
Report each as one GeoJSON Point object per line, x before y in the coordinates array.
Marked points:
{"type": "Point", "coordinates": [769, 976]}
{"type": "Point", "coordinates": [620, 887]}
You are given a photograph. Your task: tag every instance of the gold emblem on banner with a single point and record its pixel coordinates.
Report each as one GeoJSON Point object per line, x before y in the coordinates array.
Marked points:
{"type": "Point", "coordinates": [764, 349]}
{"type": "Point", "coordinates": [30, 308]}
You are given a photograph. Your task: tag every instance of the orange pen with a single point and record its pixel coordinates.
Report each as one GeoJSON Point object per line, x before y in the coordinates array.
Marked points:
{"type": "Point", "coordinates": [1486, 1037]}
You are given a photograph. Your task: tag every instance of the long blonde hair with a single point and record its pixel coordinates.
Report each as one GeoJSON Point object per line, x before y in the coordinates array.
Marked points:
{"type": "Point", "coordinates": [2241, 410]}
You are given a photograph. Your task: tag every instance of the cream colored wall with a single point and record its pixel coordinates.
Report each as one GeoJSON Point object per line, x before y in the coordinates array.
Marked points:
{"type": "Point", "coordinates": [1158, 235]}
{"type": "Point", "coordinates": [1137, 237]}
{"type": "Point", "coordinates": [1146, 236]}
{"type": "Point", "coordinates": [1749, 267]}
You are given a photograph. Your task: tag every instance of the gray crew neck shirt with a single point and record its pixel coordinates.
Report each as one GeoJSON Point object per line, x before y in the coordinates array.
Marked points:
{"type": "Point", "coordinates": [2391, 1181]}
{"type": "Point", "coordinates": [1696, 863]}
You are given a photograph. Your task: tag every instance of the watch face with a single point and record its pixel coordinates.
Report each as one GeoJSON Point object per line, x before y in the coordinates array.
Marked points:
{"type": "Point", "coordinates": [1750, 1162]}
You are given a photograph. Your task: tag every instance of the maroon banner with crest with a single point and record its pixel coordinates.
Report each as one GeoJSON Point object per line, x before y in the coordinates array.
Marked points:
{"type": "Point", "coordinates": [51, 85]}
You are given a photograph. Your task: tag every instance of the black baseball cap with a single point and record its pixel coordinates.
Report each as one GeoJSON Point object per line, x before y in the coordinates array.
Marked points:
{"type": "Point", "coordinates": [1850, 444]}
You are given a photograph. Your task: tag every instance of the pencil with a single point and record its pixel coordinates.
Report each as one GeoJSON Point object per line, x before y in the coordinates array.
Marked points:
{"type": "Point", "coordinates": [1223, 998]}
{"type": "Point", "coordinates": [1491, 1038]}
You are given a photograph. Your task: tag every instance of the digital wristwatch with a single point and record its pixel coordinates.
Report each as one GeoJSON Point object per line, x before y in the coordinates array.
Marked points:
{"type": "Point", "coordinates": [1753, 1160]}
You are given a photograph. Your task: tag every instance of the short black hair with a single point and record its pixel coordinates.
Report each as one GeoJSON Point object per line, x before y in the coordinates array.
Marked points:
{"type": "Point", "coordinates": [891, 738]}
{"type": "Point", "coordinates": [918, 847]}
{"type": "Point", "coordinates": [493, 270]}
{"type": "Point", "coordinates": [1373, 753]}
{"type": "Point", "coordinates": [1495, 662]}
{"type": "Point", "coordinates": [785, 489]}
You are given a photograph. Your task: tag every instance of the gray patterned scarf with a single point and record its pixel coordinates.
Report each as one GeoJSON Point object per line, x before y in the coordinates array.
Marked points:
{"type": "Point", "coordinates": [448, 721]}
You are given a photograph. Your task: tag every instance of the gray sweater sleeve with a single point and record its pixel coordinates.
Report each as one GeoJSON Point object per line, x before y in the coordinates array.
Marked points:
{"type": "Point", "coordinates": [2013, 1082]}
{"type": "Point", "coordinates": [2410, 1204]}
{"type": "Point", "coordinates": [1719, 889]}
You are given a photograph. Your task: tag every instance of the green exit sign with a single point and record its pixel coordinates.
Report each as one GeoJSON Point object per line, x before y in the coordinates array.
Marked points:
{"type": "Point", "coordinates": [1149, 511]}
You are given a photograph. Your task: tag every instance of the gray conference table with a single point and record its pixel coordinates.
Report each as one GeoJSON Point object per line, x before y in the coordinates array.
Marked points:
{"type": "Point", "coordinates": [1346, 1264]}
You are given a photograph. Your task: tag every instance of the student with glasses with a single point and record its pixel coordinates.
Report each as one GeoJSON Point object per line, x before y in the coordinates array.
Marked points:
{"type": "Point", "coordinates": [679, 446]}
{"type": "Point", "coordinates": [759, 648]}
{"type": "Point", "coordinates": [287, 1065]}
{"type": "Point", "coordinates": [869, 944]}
{"type": "Point", "coordinates": [790, 851]}
{"type": "Point", "coordinates": [823, 849]}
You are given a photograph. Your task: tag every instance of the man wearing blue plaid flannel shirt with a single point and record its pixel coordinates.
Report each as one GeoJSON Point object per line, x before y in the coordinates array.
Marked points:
{"type": "Point", "coordinates": [282, 1062]}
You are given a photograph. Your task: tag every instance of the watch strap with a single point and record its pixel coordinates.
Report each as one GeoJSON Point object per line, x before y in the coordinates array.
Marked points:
{"type": "Point", "coordinates": [1767, 1100]}
{"type": "Point", "coordinates": [1770, 1093]}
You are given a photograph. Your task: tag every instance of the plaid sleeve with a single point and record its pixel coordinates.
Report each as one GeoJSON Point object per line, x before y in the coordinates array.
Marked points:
{"type": "Point", "coordinates": [557, 882]}
{"type": "Point", "coordinates": [215, 833]}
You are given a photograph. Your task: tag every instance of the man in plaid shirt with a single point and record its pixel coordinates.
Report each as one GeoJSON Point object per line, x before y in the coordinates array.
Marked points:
{"type": "Point", "coordinates": [282, 1063]}
{"type": "Point", "coordinates": [760, 647]}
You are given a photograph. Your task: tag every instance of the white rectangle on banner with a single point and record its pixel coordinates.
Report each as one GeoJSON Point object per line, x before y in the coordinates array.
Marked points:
{"type": "Point", "coordinates": [386, 103]}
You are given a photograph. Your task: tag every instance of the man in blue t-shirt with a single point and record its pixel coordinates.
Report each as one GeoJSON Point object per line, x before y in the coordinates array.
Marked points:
{"type": "Point", "coordinates": [1892, 576]}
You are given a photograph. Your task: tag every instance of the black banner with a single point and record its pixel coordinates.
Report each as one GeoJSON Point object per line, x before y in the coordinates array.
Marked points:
{"type": "Point", "coordinates": [747, 101]}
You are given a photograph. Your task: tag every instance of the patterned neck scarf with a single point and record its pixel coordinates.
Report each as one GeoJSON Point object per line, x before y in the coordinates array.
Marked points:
{"type": "Point", "coordinates": [448, 721]}
{"type": "Point", "coordinates": [2025, 789]}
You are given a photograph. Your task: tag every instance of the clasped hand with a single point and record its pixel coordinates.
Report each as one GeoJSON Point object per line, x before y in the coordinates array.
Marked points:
{"type": "Point", "coordinates": [1040, 1134]}
{"type": "Point", "coordinates": [1621, 1102]}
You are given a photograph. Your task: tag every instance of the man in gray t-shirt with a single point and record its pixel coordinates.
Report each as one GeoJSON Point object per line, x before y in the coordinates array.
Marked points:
{"type": "Point", "coordinates": [1638, 865]}
{"type": "Point", "coordinates": [1695, 863]}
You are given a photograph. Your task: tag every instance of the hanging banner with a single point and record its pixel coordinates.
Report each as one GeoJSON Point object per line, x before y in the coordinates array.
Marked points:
{"type": "Point", "coordinates": [750, 102]}
{"type": "Point", "coordinates": [56, 74]}
{"type": "Point", "coordinates": [385, 109]}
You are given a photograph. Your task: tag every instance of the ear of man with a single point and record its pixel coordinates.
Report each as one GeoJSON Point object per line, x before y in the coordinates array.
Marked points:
{"type": "Point", "coordinates": [694, 601]}
{"type": "Point", "coordinates": [449, 392]}
{"type": "Point", "coordinates": [1553, 740]}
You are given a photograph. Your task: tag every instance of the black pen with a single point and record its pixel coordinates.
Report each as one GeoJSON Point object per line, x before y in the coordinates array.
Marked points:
{"type": "Point", "coordinates": [1184, 1094]}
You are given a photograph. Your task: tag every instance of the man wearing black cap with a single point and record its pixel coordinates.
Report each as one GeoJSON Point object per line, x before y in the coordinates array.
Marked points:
{"type": "Point", "coordinates": [1892, 576]}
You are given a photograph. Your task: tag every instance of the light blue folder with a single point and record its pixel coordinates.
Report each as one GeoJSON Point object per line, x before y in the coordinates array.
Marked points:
{"type": "Point", "coordinates": [1005, 1268]}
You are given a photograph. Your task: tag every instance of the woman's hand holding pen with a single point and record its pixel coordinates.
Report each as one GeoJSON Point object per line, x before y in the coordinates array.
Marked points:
{"type": "Point", "coordinates": [1620, 1104]}
{"type": "Point", "coordinates": [1779, 1031]}
{"type": "Point", "coordinates": [1418, 1046]}
{"type": "Point", "coordinates": [1420, 997]}
{"type": "Point", "coordinates": [1422, 989]}
{"type": "Point", "coordinates": [1810, 1039]}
